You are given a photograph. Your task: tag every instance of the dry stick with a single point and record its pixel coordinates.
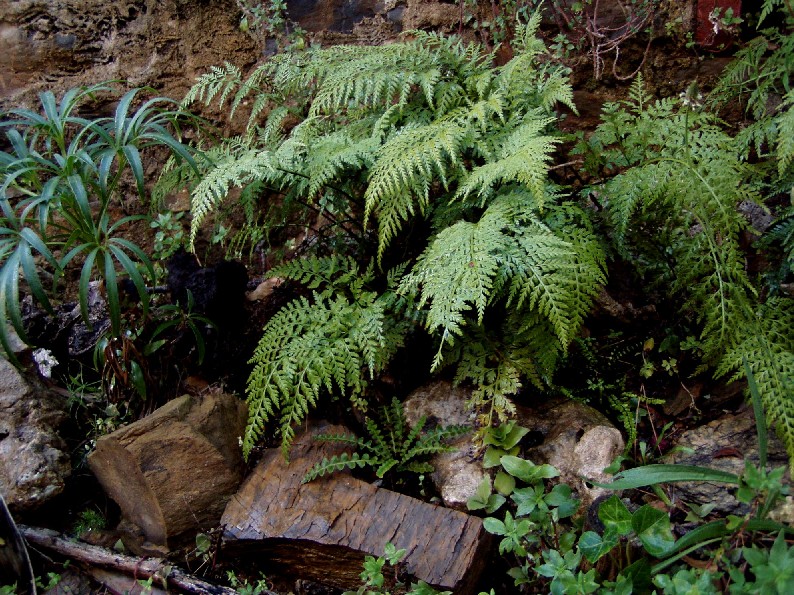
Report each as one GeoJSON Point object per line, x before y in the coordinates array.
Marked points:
{"type": "Point", "coordinates": [158, 569]}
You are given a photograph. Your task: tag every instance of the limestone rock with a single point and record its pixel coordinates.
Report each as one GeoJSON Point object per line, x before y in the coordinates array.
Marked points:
{"type": "Point", "coordinates": [725, 444]}
{"type": "Point", "coordinates": [458, 473]}
{"type": "Point", "coordinates": [34, 463]}
{"type": "Point", "coordinates": [322, 530]}
{"type": "Point", "coordinates": [578, 440]}
{"type": "Point", "coordinates": [174, 471]}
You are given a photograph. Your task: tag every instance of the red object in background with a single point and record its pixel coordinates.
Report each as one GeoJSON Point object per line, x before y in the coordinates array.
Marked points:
{"type": "Point", "coordinates": [710, 32]}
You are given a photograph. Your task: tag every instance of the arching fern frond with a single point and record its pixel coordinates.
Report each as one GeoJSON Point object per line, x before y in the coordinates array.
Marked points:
{"type": "Point", "coordinates": [307, 348]}
{"type": "Point", "coordinates": [403, 169]}
{"type": "Point", "coordinates": [767, 344]}
{"type": "Point", "coordinates": [218, 83]}
{"type": "Point", "coordinates": [237, 167]}
{"type": "Point", "coordinates": [523, 158]}
{"type": "Point", "coordinates": [457, 271]}
{"type": "Point", "coordinates": [468, 264]}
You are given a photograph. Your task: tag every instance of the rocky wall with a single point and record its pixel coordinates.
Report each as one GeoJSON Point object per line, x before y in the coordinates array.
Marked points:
{"type": "Point", "coordinates": [57, 44]}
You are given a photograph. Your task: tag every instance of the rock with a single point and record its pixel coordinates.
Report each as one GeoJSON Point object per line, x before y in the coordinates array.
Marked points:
{"type": "Point", "coordinates": [458, 473]}
{"type": "Point", "coordinates": [174, 471]}
{"type": "Point", "coordinates": [34, 463]}
{"type": "Point", "coordinates": [578, 440]}
{"type": "Point", "coordinates": [264, 289]}
{"type": "Point", "coordinates": [163, 44]}
{"type": "Point", "coordinates": [725, 444]}
{"type": "Point", "coordinates": [322, 530]}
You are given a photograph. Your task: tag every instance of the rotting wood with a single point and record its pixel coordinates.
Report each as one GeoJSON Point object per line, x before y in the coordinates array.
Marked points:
{"type": "Point", "coordinates": [164, 573]}
{"type": "Point", "coordinates": [322, 530]}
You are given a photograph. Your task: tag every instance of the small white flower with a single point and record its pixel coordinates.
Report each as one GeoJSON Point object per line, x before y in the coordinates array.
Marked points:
{"type": "Point", "coordinates": [45, 361]}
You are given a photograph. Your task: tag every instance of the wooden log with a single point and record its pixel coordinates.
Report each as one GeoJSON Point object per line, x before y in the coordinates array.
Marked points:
{"type": "Point", "coordinates": [322, 530]}
{"type": "Point", "coordinates": [163, 573]}
{"type": "Point", "coordinates": [173, 471]}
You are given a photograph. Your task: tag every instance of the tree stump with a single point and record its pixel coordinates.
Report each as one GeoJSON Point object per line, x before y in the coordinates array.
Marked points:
{"type": "Point", "coordinates": [175, 470]}
{"type": "Point", "coordinates": [322, 530]}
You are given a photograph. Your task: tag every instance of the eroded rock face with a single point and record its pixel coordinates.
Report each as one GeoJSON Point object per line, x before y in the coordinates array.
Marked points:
{"type": "Point", "coordinates": [725, 444]}
{"type": "Point", "coordinates": [174, 471]}
{"type": "Point", "coordinates": [575, 438]}
{"type": "Point", "coordinates": [34, 464]}
{"type": "Point", "coordinates": [57, 44]}
{"type": "Point", "coordinates": [458, 473]}
{"type": "Point", "coordinates": [578, 440]}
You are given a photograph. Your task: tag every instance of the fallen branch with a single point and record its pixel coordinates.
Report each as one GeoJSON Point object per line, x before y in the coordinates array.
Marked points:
{"type": "Point", "coordinates": [162, 573]}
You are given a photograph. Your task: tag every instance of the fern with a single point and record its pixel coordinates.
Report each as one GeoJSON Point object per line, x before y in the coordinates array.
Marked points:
{"type": "Point", "coordinates": [504, 254]}
{"type": "Point", "coordinates": [767, 343]}
{"type": "Point", "coordinates": [392, 447]}
{"type": "Point", "coordinates": [389, 142]}
{"type": "Point", "coordinates": [333, 343]}
{"type": "Point", "coordinates": [685, 179]}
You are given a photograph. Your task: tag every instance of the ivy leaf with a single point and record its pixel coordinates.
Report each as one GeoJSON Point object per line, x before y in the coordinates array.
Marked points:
{"type": "Point", "coordinates": [594, 547]}
{"type": "Point", "coordinates": [652, 527]}
{"type": "Point", "coordinates": [615, 516]}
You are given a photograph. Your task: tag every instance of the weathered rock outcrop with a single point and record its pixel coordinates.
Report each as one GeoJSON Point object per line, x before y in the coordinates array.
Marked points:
{"type": "Point", "coordinates": [322, 530]}
{"type": "Point", "coordinates": [725, 444]}
{"type": "Point", "coordinates": [175, 470]}
{"type": "Point", "coordinates": [34, 464]}
{"type": "Point", "coordinates": [456, 474]}
{"type": "Point", "coordinates": [57, 44]}
{"type": "Point", "coordinates": [575, 438]}
{"type": "Point", "coordinates": [578, 440]}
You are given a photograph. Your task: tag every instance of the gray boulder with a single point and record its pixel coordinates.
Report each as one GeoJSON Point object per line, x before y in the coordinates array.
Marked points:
{"type": "Point", "coordinates": [34, 463]}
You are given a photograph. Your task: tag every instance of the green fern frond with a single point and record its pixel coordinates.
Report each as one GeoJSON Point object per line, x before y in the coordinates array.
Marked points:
{"type": "Point", "coordinates": [219, 83]}
{"type": "Point", "coordinates": [767, 344]}
{"type": "Point", "coordinates": [785, 139]}
{"type": "Point", "coordinates": [336, 156]}
{"type": "Point", "coordinates": [334, 464]}
{"type": "Point", "coordinates": [403, 169]}
{"type": "Point", "coordinates": [392, 445]}
{"type": "Point", "coordinates": [326, 344]}
{"type": "Point", "coordinates": [236, 168]}
{"type": "Point", "coordinates": [457, 271]}
{"type": "Point", "coordinates": [334, 271]}
{"type": "Point", "coordinates": [523, 158]}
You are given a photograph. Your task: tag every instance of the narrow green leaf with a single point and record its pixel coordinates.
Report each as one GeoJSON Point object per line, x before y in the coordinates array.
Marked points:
{"type": "Point", "coordinates": [758, 411]}
{"type": "Point", "coordinates": [654, 474]}
{"type": "Point", "coordinates": [85, 283]}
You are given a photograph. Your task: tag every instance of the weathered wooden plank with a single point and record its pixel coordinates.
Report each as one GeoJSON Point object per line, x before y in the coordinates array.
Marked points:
{"type": "Point", "coordinates": [322, 530]}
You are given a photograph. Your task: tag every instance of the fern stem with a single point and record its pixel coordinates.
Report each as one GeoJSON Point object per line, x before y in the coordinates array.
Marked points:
{"type": "Point", "coordinates": [350, 197]}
